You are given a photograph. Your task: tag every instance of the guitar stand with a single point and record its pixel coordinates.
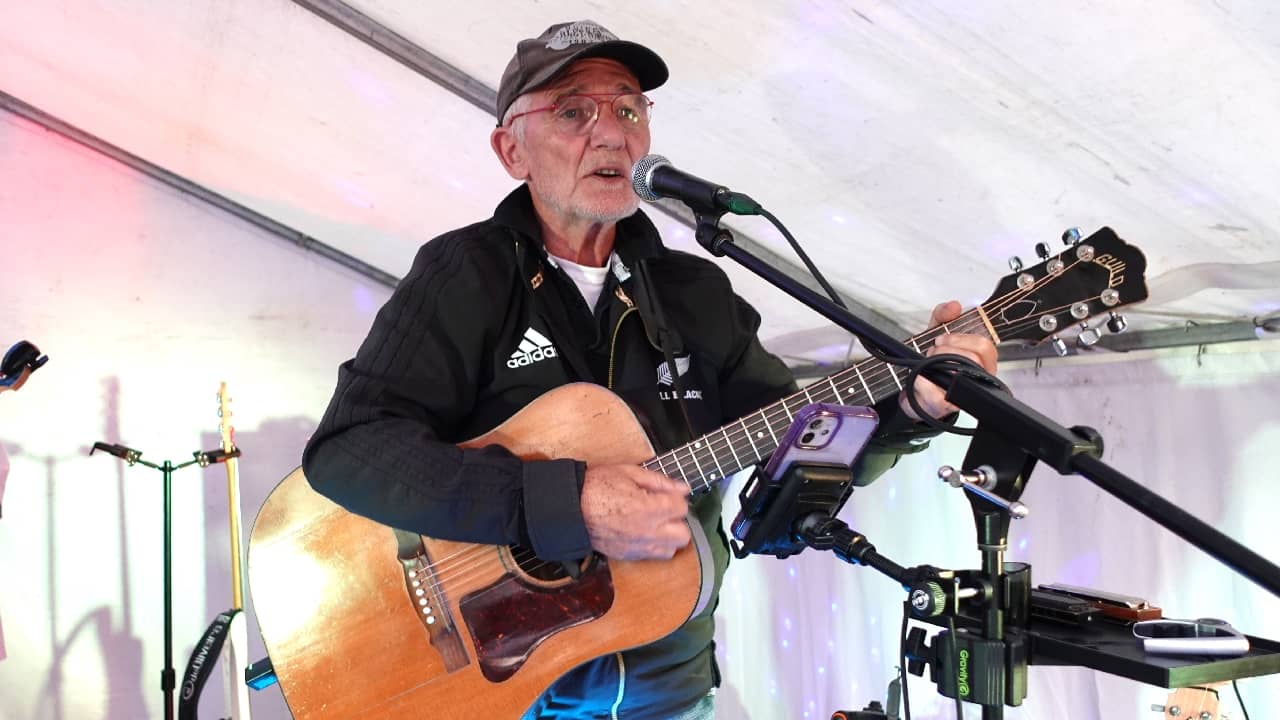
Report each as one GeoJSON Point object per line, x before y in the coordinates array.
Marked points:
{"type": "Point", "coordinates": [203, 459]}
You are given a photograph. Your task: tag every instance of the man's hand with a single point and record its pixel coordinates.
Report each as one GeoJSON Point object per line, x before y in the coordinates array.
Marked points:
{"type": "Point", "coordinates": [634, 514]}
{"type": "Point", "coordinates": [977, 348]}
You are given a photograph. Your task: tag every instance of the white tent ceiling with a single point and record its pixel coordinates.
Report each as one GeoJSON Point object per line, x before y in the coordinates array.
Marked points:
{"type": "Point", "coordinates": [911, 147]}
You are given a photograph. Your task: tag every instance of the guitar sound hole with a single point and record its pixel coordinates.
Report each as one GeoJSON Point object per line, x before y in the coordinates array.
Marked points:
{"type": "Point", "coordinates": [542, 571]}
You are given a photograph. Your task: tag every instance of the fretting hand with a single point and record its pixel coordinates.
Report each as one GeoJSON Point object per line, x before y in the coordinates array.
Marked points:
{"type": "Point", "coordinates": [977, 348]}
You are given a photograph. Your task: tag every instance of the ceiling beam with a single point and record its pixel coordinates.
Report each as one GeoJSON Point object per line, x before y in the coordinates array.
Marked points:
{"type": "Point", "coordinates": [404, 51]}
{"type": "Point", "coordinates": [1190, 335]}
{"type": "Point", "coordinates": [195, 190]}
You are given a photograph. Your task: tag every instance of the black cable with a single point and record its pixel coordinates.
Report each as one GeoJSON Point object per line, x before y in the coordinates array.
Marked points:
{"type": "Point", "coordinates": [955, 663]}
{"type": "Point", "coordinates": [954, 363]}
{"type": "Point", "coordinates": [813, 269]}
{"type": "Point", "coordinates": [902, 661]}
{"type": "Point", "coordinates": [1236, 686]}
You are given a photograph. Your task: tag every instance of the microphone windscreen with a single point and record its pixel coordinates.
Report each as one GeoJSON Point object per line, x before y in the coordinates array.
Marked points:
{"type": "Point", "coordinates": [642, 176]}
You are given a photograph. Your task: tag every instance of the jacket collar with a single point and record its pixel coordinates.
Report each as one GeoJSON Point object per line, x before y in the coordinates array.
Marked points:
{"type": "Point", "coordinates": [637, 238]}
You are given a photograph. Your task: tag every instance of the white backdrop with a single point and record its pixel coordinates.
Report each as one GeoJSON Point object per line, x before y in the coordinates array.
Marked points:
{"type": "Point", "coordinates": [145, 299]}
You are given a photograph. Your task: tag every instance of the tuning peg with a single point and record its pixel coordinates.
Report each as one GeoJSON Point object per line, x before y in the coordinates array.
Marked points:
{"type": "Point", "coordinates": [1042, 250]}
{"type": "Point", "coordinates": [1117, 323]}
{"type": "Point", "coordinates": [1071, 236]}
{"type": "Point", "coordinates": [1059, 346]}
{"type": "Point", "coordinates": [1088, 336]}
{"type": "Point", "coordinates": [1015, 263]}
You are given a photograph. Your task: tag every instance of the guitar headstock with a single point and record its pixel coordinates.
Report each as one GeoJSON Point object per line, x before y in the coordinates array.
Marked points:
{"type": "Point", "coordinates": [1092, 277]}
{"type": "Point", "coordinates": [1191, 703]}
{"type": "Point", "coordinates": [225, 430]}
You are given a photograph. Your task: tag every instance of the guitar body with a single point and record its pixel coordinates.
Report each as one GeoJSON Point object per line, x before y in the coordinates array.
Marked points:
{"type": "Point", "coordinates": [362, 621]}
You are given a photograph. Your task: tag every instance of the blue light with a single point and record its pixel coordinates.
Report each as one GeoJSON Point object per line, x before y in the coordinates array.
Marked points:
{"type": "Point", "coordinates": [1022, 544]}
{"type": "Point", "coordinates": [791, 571]}
{"type": "Point", "coordinates": [834, 608]}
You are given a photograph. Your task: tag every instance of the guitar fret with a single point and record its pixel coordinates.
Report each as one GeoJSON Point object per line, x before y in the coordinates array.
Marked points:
{"type": "Point", "coordinates": [834, 389]}
{"type": "Point", "coordinates": [756, 450]}
{"type": "Point", "coordinates": [676, 459]}
{"type": "Point", "coordinates": [716, 460]}
{"type": "Point", "coordinates": [790, 417]}
{"type": "Point", "coordinates": [736, 460]}
{"type": "Point", "coordinates": [770, 429]}
{"type": "Point", "coordinates": [893, 372]}
{"type": "Point", "coordinates": [696, 464]}
{"type": "Point", "coordinates": [870, 397]}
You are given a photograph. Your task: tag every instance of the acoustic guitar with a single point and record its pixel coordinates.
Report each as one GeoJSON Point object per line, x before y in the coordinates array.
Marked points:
{"type": "Point", "coordinates": [365, 621]}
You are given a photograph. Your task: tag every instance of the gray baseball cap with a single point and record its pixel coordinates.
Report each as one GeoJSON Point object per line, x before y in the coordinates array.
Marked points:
{"type": "Point", "coordinates": [539, 60]}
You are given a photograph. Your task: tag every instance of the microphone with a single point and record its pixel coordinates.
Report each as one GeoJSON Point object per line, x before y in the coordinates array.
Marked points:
{"type": "Point", "coordinates": [653, 177]}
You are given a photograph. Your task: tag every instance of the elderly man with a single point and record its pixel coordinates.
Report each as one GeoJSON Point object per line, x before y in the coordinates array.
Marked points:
{"type": "Point", "coordinates": [567, 282]}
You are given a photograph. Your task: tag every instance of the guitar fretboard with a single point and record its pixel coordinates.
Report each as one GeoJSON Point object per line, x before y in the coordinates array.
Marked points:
{"type": "Point", "coordinates": [703, 463]}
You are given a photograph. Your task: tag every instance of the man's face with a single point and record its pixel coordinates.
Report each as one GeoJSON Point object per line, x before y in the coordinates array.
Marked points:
{"type": "Point", "coordinates": [586, 177]}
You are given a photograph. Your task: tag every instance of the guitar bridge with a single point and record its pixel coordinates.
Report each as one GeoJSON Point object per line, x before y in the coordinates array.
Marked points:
{"type": "Point", "coordinates": [427, 595]}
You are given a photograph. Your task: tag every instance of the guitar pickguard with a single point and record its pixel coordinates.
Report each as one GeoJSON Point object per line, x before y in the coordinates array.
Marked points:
{"type": "Point", "coordinates": [509, 619]}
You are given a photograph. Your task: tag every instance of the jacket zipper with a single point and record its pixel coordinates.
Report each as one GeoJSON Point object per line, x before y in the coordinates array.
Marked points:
{"type": "Point", "coordinates": [622, 686]}
{"type": "Point", "coordinates": [613, 341]}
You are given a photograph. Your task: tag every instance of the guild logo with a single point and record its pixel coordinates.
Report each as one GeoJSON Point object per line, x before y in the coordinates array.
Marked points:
{"type": "Point", "coordinates": [534, 347]}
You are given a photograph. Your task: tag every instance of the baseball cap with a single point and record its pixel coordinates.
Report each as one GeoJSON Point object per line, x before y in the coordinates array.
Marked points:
{"type": "Point", "coordinates": [539, 60]}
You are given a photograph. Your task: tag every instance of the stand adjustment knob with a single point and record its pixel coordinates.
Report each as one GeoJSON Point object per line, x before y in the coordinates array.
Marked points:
{"type": "Point", "coordinates": [918, 652]}
{"type": "Point", "coordinates": [980, 482]}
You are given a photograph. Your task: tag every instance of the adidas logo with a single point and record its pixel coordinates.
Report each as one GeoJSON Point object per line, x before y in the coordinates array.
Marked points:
{"type": "Point", "coordinates": [664, 371]}
{"type": "Point", "coordinates": [534, 347]}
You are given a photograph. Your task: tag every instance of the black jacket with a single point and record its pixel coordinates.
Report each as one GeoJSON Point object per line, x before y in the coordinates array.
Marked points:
{"type": "Point", "coordinates": [482, 325]}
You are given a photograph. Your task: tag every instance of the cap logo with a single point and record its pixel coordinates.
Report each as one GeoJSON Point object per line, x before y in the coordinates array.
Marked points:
{"type": "Point", "coordinates": [579, 33]}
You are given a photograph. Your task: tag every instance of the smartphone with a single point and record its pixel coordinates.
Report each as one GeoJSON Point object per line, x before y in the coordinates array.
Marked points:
{"type": "Point", "coordinates": [1206, 636]}
{"type": "Point", "coordinates": [820, 434]}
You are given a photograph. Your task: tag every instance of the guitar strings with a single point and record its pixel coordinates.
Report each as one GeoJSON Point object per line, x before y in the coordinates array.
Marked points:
{"type": "Point", "coordinates": [969, 321]}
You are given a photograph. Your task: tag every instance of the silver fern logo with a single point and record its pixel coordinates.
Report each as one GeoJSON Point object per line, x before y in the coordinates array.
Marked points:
{"type": "Point", "coordinates": [664, 372]}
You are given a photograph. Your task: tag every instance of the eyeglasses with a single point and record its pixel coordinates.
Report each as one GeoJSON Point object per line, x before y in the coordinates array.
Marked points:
{"type": "Point", "coordinates": [577, 114]}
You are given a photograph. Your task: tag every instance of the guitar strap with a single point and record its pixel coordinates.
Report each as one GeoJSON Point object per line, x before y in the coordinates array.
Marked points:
{"type": "Point", "coordinates": [201, 663]}
{"type": "Point", "coordinates": [669, 341]}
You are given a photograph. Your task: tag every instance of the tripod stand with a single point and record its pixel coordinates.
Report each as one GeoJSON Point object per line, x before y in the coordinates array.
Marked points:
{"type": "Point", "coordinates": [167, 468]}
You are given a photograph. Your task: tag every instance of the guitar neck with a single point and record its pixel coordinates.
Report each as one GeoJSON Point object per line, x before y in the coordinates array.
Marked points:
{"type": "Point", "coordinates": [233, 501]}
{"type": "Point", "coordinates": [233, 497]}
{"type": "Point", "coordinates": [703, 463]}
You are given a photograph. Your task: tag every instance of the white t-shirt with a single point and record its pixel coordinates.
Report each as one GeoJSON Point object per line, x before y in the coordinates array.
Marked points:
{"type": "Point", "coordinates": [590, 280]}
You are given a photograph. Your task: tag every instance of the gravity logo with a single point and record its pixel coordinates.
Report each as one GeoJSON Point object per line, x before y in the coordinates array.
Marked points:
{"type": "Point", "coordinates": [534, 347]}
{"type": "Point", "coordinates": [963, 676]}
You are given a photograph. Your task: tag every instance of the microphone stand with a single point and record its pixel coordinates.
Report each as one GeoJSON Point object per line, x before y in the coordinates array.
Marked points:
{"type": "Point", "coordinates": [203, 459]}
{"type": "Point", "coordinates": [1010, 438]}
